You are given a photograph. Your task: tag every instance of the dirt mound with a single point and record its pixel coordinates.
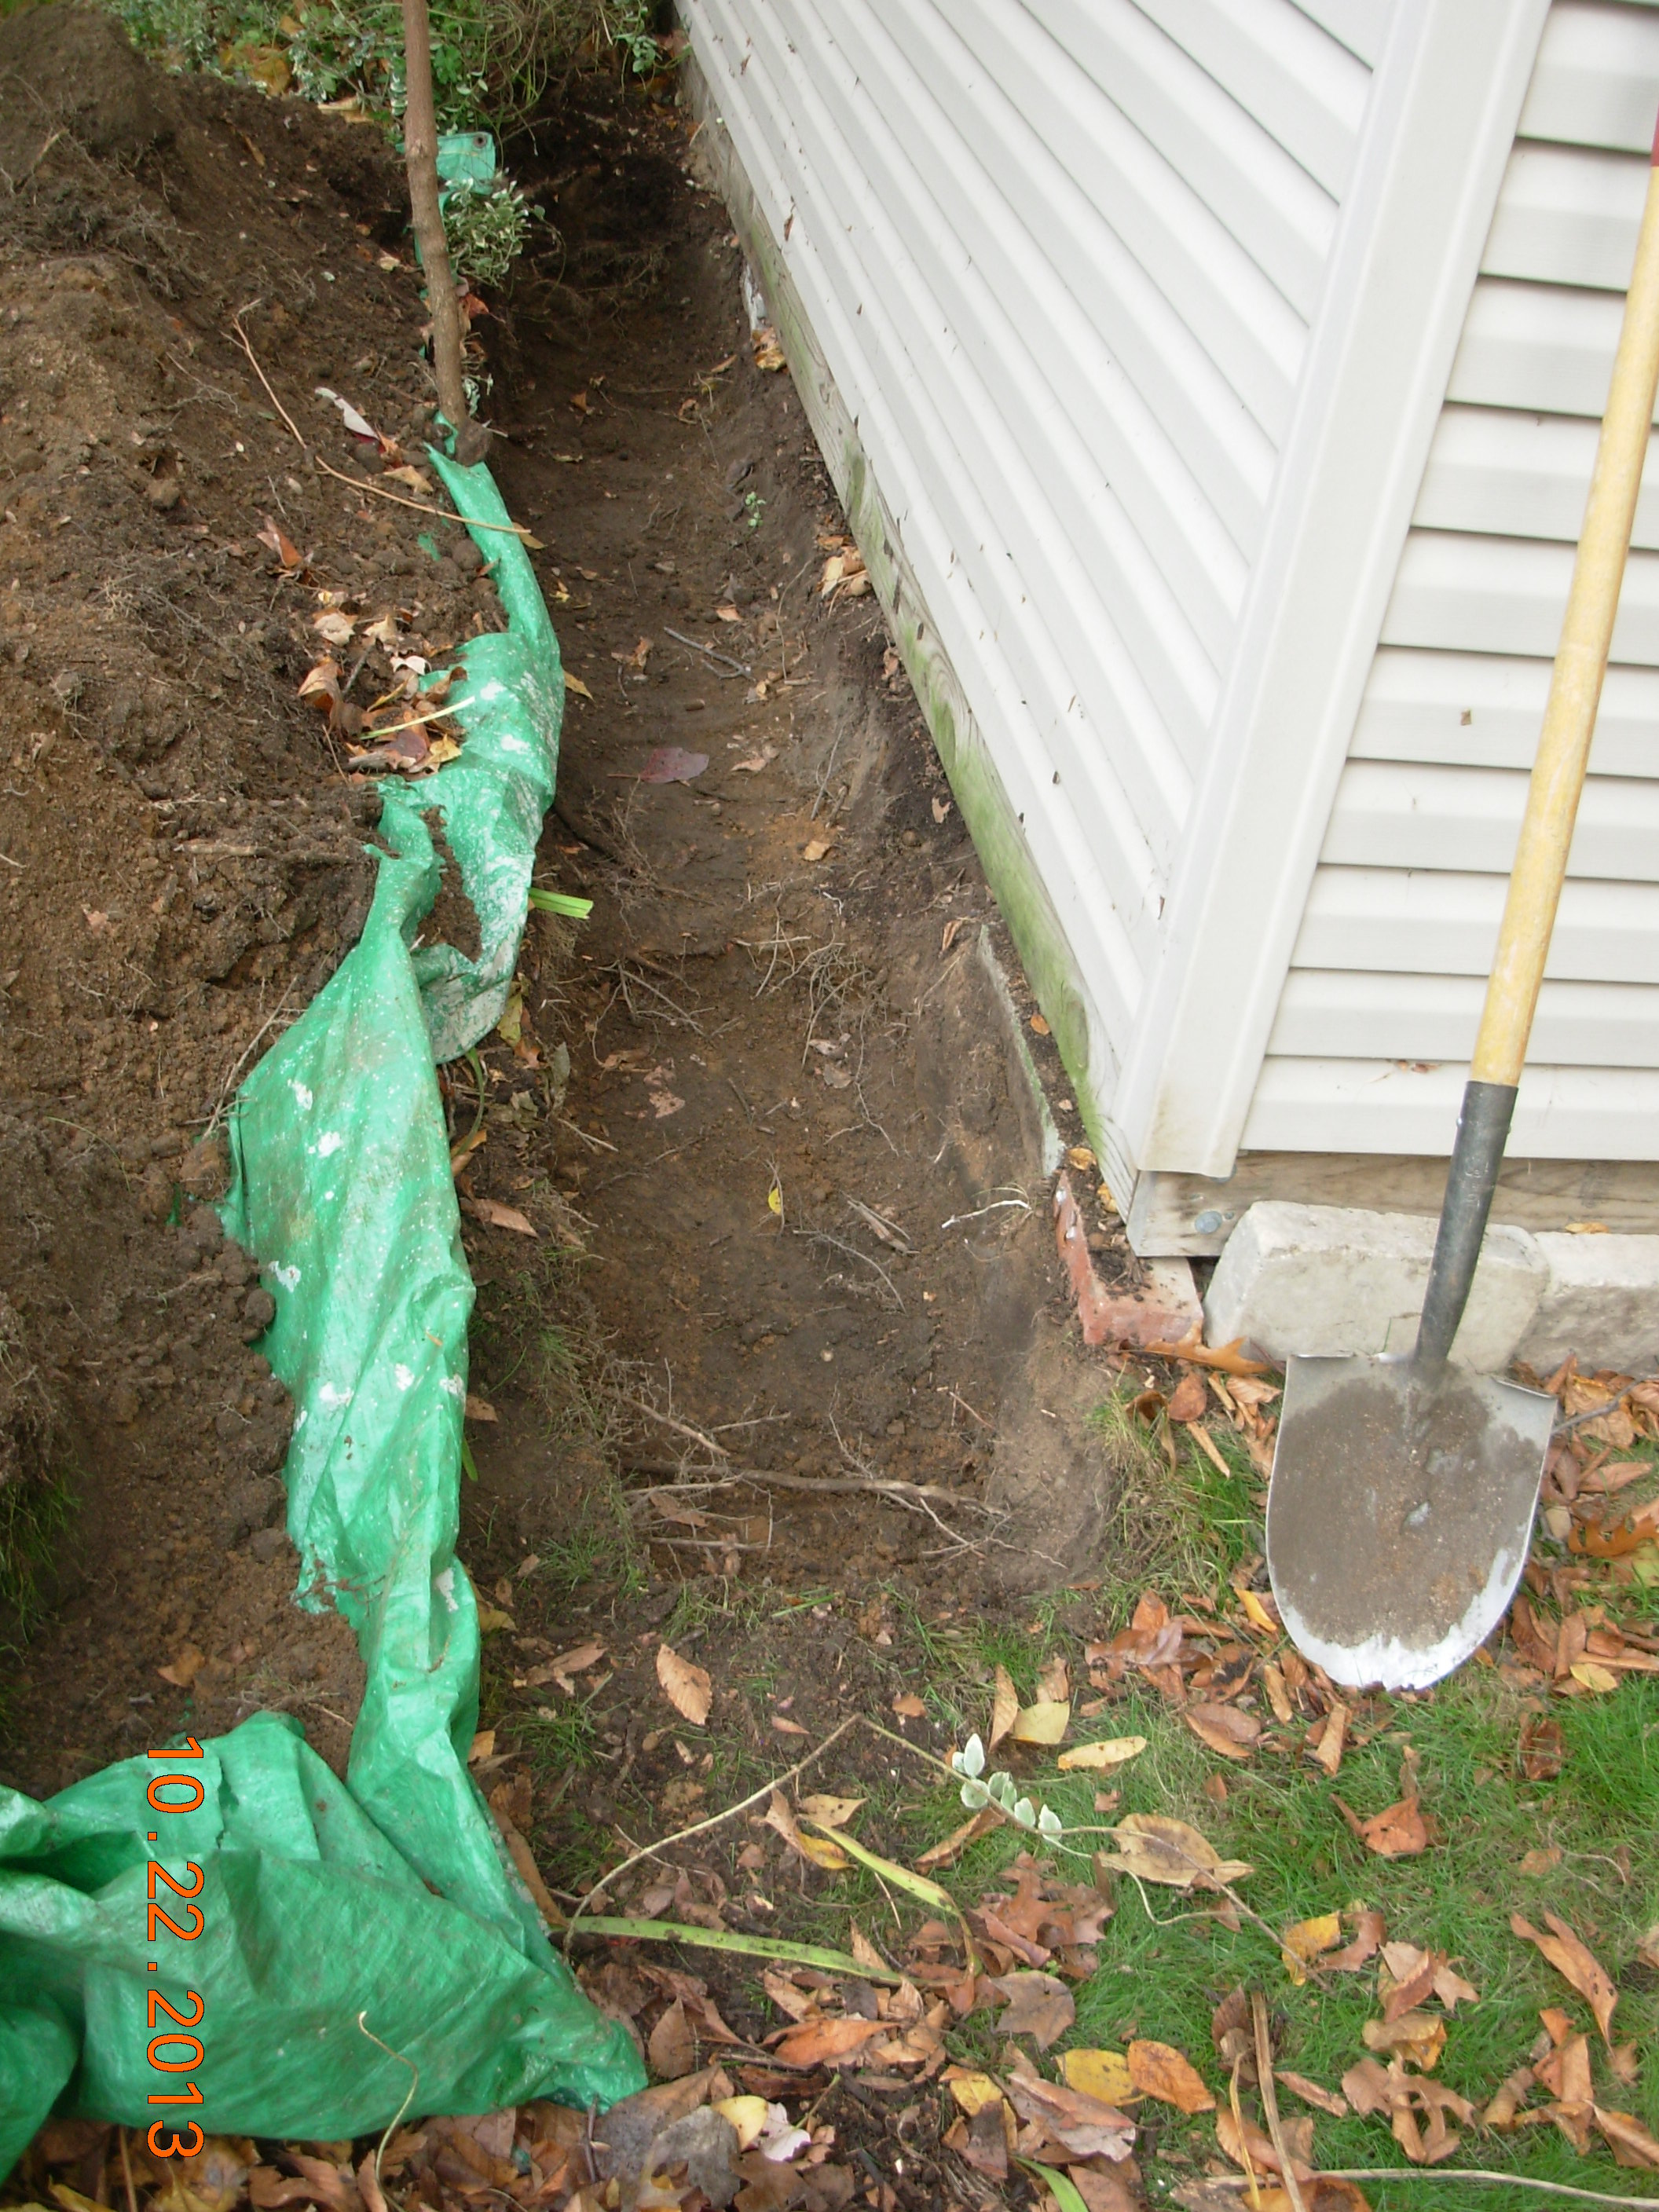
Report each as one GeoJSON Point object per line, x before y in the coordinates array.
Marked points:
{"type": "Point", "coordinates": [73, 70]}
{"type": "Point", "coordinates": [181, 860]}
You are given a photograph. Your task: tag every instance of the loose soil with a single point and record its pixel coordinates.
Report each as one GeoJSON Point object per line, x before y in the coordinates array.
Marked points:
{"type": "Point", "coordinates": [767, 1110]}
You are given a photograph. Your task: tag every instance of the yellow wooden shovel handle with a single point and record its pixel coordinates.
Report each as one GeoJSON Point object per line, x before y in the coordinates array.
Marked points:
{"type": "Point", "coordinates": [1581, 661]}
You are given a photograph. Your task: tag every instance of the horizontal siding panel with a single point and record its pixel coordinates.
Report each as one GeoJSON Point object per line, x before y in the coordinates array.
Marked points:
{"type": "Point", "coordinates": [930, 449]}
{"type": "Point", "coordinates": [1326, 1015]}
{"type": "Point", "coordinates": [1459, 592]}
{"type": "Point", "coordinates": [1497, 470]}
{"type": "Point", "coordinates": [1303, 87]}
{"type": "Point", "coordinates": [1079, 422]}
{"type": "Point", "coordinates": [1405, 815]}
{"type": "Point", "coordinates": [1597, 82]}
{"type": "Point", "coordinates": [1379, 1106]}
{"type": "Point", "coordinates": [1360, 24]}
{"type": "Point", "coordinates": [1240, 318]}
{"type": "Point", "coordinates": [1546, 348]}
{"type": "Point", "coordinates": [953, 455]}
{"type": "Point", "coordinates": [1397, 920]}
{"type": "Point", "coordinates": [1485, 710]}
{"type": "Point", "coordinates": [1282, 221]}
{"type": "Point", "coordinates": [1036, 120]}
{"type": "Point", "coordinates": [1567, 214]}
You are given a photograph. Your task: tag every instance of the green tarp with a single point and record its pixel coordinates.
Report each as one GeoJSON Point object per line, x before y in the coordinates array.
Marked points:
{"type": "Point", "coordinates": [391, 1896]}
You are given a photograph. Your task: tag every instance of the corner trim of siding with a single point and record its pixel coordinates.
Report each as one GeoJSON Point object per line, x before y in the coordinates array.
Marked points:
{"type": "Point", "coordinates": [1401, 271]}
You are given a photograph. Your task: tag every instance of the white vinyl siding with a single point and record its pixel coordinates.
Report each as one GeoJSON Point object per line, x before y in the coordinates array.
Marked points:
{"type": "Point", "coordinates": [1060, 258]}
{"type": "Point", "coordinates": [1379, 1012]}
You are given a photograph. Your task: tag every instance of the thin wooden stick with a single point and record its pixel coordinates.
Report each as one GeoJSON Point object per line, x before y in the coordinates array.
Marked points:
{"type": "Point", "coordinates": [362, 483]}
{"type": "Point", "coordinates": [421, 161]}
{"type": "Point", "coordinates": [699, 1828]}
{"type": "Point", "coordinates": [1264, 2070]}
{"type": "Point", "coordinates": [1481, 2173]}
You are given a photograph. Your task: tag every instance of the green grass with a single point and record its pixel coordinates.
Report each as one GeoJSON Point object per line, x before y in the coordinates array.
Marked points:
{"type": "Point", "coordinates": [1165, 1960]}
{"type": "Point", "coordinates": [1164, 1969]}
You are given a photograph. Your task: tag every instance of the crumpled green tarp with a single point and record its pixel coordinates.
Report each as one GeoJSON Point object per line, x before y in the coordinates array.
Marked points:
{"type": "Point", "coordinates": [393, 1896]}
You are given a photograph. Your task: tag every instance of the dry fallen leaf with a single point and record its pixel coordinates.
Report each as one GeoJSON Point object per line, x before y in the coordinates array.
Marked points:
{"type": "Point", "coordinates": [1370, 1929]}
{"type": "Point", "coordinates": [1224, 1729]}
{"type": "Point", "coordinates": [1037, 2005]}
{"type": "Point", "coordinates": [831, 1811]}
{"type": "Point", "coordinates": [494, 1215]}
{"type": "Point", "coordinates": [1630, 2143]}
{"type": "Point", "coordinates": [1103, 2073]}
{"type": "Point", "coordinates": [1082, 2124]}
{"type": "Point", "coordinates": [574, 683]}
{"type": "Point", "coordinates": [673, 2048]}
{"type": "Point", "coordinates": [817, 848]}
{"type": "Point", "coordinates": [954, 1844]}
{"type": "Point", "coordinates": [687, 1687]}
{"type": "Point", "coordinates": [1005, 1708]}
{"type": "Point", "coordinates": [818, 1850]}
{"type": "Point", "coordinates": [973, 2092]}
{"type": "Point", "coordinates": [1324, 2100]}
{"type": "Point", "coordinates": [1155, 1848]}
{"type": "Point", "coordinates": [1397, 1833]}
{"type": "Point", "coordinates": [1159, 2070]}
{"type": "Point", "coordinates": [1419, 2037]}
{"type": "Point", "coordinates": [908, 1707]}
{"type": "Point", "coordinates": [483, 1743]}
{"type": "Point", "coordinates": [1189, 1400]}
{"type": "Point", "coordinates": [820, 2042]}
{"type": "Point", "coordinates": [1113, 1751]}
{"type": "Point", "coordinates": [1043, 1722]}
{"type": "Point", "coordinates": [1328, 1750]}
{"type": "Point", "coordinates": [1307, 1940]}
{"type": "Point", "coordinates": [1570, 1959]}
{"type": "Point", "coordinates": [185, 1668]}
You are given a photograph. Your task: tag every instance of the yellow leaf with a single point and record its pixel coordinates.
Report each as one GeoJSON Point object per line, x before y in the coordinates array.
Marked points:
{"type": "Point", "coordinates": [973, 2092]}
{"type": "Point", "coordinates": [1592, 1677]}
{"type": "Point", "coordinates": [482, 1745]}
{"type": "Point", "coordinates": [775, 1200]}
{"type": "Point", "coordinates": [831, 1811]}
{"type": "Point", "coordinates": [574, 683]}
{"type": "Point", "coordinates": [747, 2115]}
{"type": "Point", "coordinates": [1103, 2073]}
{"type": "Point", "coordinates": [824, 1853]}
{"type": "Point", "coordinates": [1307, 1940]}
{"type": "Point", "coordinates": [490, 1617]}
{"type": "Point", "coordinates": [1113, 1751]}
{"type": "Point", "coordinates": [1005, 1707]}
{"type": "Point", "coordinates": [1042, 1722]}
{"type": "Point", "coordinates": [1257, 1613]}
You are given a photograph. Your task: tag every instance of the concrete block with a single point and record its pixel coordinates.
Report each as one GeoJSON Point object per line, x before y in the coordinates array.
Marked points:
{"type": "Point", "coordinates": [1601, 1301]}
{"type": "Point", "coordinates": [1324, 1280]}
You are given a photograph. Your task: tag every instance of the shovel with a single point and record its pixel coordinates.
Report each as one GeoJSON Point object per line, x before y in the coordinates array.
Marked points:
{"type": "Point", "coordinates": [1399, 1510]}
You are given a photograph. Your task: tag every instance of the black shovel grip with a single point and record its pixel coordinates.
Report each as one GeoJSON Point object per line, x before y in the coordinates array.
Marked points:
{"type": "Point", "coordinates": [1483, 1128]}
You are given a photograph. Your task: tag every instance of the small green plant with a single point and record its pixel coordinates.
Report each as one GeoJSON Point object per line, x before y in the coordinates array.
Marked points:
{"type": "Point", "coordinates": [491, 59]}
{"type": "Point", "coordinates": [1002, 1791]}
{"type": "Point", "coordinates": [486, 227]}
{"type": "Point", "coordinates": [753, 508]}
{"type": "Point", "coordinates": [628, 27]}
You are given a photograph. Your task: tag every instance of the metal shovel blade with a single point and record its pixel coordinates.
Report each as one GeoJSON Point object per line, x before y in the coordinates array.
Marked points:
{"type": "Point", "coordinates": [1400, 1512]}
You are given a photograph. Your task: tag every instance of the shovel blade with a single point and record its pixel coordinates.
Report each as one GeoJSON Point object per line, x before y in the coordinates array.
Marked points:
{"type": "Point", "coordinates": [1399, 1513]}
